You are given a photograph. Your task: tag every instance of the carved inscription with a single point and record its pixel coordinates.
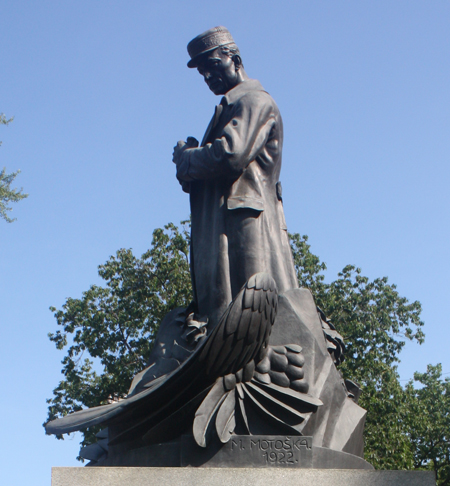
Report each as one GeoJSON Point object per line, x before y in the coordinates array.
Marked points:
{"type": "Point", "coordinates": [274, 451]}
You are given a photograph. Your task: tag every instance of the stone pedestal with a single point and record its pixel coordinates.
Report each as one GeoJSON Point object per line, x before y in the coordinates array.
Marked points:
{"type": "Point", "coordinates": [242, 451]}
{"type": "Point", "coordinates": [157, 476]}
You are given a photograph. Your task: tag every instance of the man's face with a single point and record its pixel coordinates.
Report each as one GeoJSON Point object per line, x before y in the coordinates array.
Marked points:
{"type": "Point", "coordinates": [219, 71]}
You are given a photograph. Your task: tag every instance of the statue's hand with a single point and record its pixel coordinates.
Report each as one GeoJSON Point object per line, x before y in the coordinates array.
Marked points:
{"type": "Point", "coordinates": [181, 146]}
{"type": "Point", "coordinates": [192, 142]}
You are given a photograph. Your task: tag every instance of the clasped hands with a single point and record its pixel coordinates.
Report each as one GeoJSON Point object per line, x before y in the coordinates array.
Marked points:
{"type": "Point", "coordinates": [177, 159]}
{"type": "Point", "coordinates": [180, 147]}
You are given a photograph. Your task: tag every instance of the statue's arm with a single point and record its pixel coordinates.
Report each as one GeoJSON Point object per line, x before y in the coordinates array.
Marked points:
{"type": "Point", "coordinates": [241, 140]}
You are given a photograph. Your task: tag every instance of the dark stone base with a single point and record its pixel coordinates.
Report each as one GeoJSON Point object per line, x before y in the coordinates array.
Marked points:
{"type": "Point", "coordinates": [240, 452]}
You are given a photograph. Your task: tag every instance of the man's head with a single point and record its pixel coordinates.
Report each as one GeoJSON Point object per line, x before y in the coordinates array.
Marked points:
{"type": "Point", "coordinates": [217, 59]}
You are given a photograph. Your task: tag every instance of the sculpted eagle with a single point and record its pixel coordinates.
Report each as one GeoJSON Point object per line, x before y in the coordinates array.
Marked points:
{"type": "Point", "coordinates": [215, 380]}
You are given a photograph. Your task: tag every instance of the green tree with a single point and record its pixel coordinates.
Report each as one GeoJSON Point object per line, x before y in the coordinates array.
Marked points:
{"type": "Point", "coordinates": [428, 422]}
{"type": "Point", "coordinates": [375, 321]}
{"type": "Point", "coordinates": [7, 194]}
{"type": "Point", "coordinates": [108, 334]}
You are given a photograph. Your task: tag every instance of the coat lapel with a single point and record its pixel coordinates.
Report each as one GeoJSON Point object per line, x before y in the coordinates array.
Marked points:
{"type": "Point", "coordinates": [229, 99]}
{"type": "Point", "coordinates": [213, 123]}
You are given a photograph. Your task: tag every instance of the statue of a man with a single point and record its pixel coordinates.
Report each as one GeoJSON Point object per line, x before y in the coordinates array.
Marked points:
{"type": "Point", "coordinates": [238, 225]}
{"type": "Point", "coordinates": [237, 374]}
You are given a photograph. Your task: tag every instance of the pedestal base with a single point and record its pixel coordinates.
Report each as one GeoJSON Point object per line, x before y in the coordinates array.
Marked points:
{"type": "Point", "coordinates": [241, 451]}
{"type": "Point", "coordinates": [150, 476]}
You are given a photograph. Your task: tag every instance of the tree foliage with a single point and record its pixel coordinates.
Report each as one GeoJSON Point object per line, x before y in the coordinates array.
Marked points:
{"type": "Point", "coordinates": [7, 194]}
{"type": "Point", "coordinates": [375, 321]}
{"type": "Point", "coordinates": [108, 335]}
{"type": "Point", "coordinates": [429, 422]}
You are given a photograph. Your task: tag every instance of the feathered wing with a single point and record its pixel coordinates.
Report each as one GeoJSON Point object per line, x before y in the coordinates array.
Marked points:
{"type": "Point", "coordinates": [157, 397]}
{"type": "Point", "coordinates": [240, 339]}
{"type": "Point", "coordinates": [244, 330]}
{"type": "Point", "coordinates": [206, 412]}
{"type": "Point", "coordinates": [82, 419]}
{"type": "Point", "coordinates": [226, 417]}
{"type": "Point", "coordinates": [170, 427]}
{"type": "Point", "coordinates": [226, 350]}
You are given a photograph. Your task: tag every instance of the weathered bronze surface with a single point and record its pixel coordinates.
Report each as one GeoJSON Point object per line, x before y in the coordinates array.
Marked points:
{"type": "Point", "coordinates": [252, 360]}
{"type": "Point", "coordinates": [238, 225]}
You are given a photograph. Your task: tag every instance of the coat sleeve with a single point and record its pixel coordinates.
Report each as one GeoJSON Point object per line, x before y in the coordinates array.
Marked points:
{"type": "Point", "coordinates": [239, 143]}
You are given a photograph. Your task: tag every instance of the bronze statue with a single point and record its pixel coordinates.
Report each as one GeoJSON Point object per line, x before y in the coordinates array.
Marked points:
{"type": "Point", "coordinates": [238, 225]}
{"type": "Point", "coordinates": [252, 356]}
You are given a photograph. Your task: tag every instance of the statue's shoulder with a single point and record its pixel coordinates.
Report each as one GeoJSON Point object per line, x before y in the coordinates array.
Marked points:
{"type": "Point", "coordinates": [248, 90]}
{"type": "Point", "coordinates": [251, 94]}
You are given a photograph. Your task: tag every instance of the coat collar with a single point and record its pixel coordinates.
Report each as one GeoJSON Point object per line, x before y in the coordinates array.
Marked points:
{"type": "Point", "coordinates": [240, 90]}
{"type": "Point", "coordinates": [231, 97]}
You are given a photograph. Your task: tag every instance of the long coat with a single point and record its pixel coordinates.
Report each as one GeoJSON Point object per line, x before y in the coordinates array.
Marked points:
{"type": "Point", "coordinates": [238, 225]}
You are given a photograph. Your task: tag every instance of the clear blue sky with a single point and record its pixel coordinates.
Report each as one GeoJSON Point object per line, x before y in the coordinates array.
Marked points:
{"type": "Point", "coordinates": [100, 93]}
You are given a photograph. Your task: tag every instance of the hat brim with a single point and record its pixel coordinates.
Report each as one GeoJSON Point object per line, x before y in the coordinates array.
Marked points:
{"type": "Point", "coordinates": [193, 63]}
